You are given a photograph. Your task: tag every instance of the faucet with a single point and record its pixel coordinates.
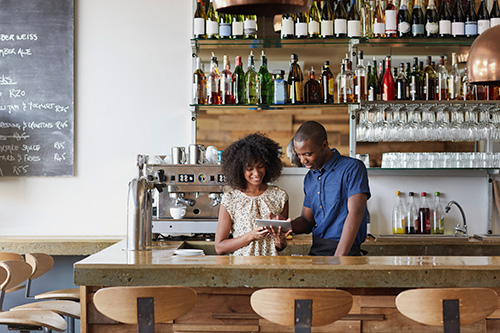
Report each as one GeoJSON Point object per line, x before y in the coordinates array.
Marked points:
{"type": "Point", "coordinates": [216, 198]}
{"type": "Point", "coordinates": [458, 228]}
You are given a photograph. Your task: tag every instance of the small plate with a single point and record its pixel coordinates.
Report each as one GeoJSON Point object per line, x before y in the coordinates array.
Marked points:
{"type": "Point", "coordinates": [189, 252]}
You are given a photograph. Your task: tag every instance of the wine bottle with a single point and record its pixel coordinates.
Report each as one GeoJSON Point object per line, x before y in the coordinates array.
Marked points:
{"type": "Point", "coordinates": [327, 83]}
{"type": "Point", "coordinates": [213, 89]}
{"type": "Point", "coordinates": [327, 20]}
{"type": "Point", "coordinates": [418, 20]}
{"type": "Point", "coordinates": [391, 20]}
{"type": "Point", "coordinates": [312, 89]}
{"type": "Point", "coordinates": [287, 26]}
{"type": "Point", "coordinates": [378, 21]}
{"type": "Point", "coordinates": [483, 18]}
{"type": "Point", "coordinates": [237, 26]}
{"type": "Point", "coordinates": [340, 20]}
{"type": "Point", "coordinates": [250, 27]}
{"type": "Point", "coordinates": [212, 27]}
{"type": "Point", "coordinates": [301, 25]}
{"type": "Point", "coordinates": [415, 79]}
{"type": "Point", "coordinates": [495, 14]}
{"type": "Point", "coordinates": [348, 84]}
{"type": "Point", "coordinates": [454, 79]}
{"type": "Point", "coordinates": [225, 22]}
{"type": "Point", "coordinates": [313, 24]}
{"type": "Point", "coordinates": [401, 84]}
{"type": "Point", "coordinates": [360, 72]}
{"type": "Point", "coordinates": [404, 25]}
{"type": "Point", "coordinates": [388, 82]}
{"type": "Point", "coordinates": [199, 82]}
{"type": "Point", "coordinates": [366, 10]}
{"type": "Point", "coordinates": [430, 78]}
{"type": "Point", "coordinates": [226, 83]}
{"type": "Point", "coordinates": [431, 20]}
{"type": "Point", "coordinates": [458, 20]}
{"type": "Point", "coordinates": [470, 20]}
{"type": "Point", "coordinates": [199, 21]}
{"type": "Point", "coordinates": [372, 84]}
{"type": "Point", "coordinates": [264, 81]}
{"type": "Point", "coordinates": [239, 82]}
{"type": "Point", "coordinates": [295, 80]}
{"type": "Point", "coordinates": [442, 81]}
{"type": "Point", "coordinates": [251, 96]}
{"type": "Point", "coordinates": [424, 214]}
{"type": "Point", "coordinates": [354, 22]}
{"type": "Point", "coordinates": [445, 20]}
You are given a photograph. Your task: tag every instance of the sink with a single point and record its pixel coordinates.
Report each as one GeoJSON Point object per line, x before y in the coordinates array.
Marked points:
{"type": "Point", "coordinates": [421, 238]}
{"type": "Point", "coordinates": [485, 237]}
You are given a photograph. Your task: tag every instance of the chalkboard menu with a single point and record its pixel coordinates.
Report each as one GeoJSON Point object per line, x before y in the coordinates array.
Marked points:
{"type": "Point", "coordinates": [36, 88]}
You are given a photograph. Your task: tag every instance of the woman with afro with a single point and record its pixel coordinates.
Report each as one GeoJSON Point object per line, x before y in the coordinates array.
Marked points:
{"type": "Point", "coordinates": [249, 164]}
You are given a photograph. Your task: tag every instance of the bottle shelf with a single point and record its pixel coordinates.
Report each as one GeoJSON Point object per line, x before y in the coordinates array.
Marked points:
{"type": "Point", "coordinates": [268, 106]}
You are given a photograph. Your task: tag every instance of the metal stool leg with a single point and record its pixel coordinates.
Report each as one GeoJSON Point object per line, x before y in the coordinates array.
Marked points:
{"type": "Point", "coordinates": [303, 315]}
{"type": "Point", "coordinates": [451, 315]}
{"type": "Point", "coordinates": [145, 315]}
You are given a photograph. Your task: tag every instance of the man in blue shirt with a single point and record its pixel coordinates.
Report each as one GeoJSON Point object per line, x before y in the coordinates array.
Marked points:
{"type": "Point", "coordinates": [336, 190]}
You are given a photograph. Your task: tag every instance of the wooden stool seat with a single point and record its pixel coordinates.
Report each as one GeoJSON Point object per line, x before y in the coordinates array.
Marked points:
{"type": "Point", "coordinates": [64, 308]}
{"type": "Point", "coordinates": [72, 294]}
{"type": "Point", "coordinates": [35, 318]}
{"type": "Point", "coordinates": [279, 305]}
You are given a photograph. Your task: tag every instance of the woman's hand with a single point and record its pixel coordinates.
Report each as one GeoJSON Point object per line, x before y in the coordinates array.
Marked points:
{"type": "Point", "coordinates": [279, 237]}
{"type": "Point", "coordinates": [258, 233]}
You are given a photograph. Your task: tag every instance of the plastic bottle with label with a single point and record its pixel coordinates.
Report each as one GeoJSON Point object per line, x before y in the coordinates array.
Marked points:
{"type": "Point", "coordinates": [437, 215]}
{"type": "Point", "coordinates": [398, 215]}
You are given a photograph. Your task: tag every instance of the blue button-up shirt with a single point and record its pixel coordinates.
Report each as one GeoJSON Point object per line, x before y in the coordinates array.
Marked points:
{"type": "Point", "coordinates": [327, 191]}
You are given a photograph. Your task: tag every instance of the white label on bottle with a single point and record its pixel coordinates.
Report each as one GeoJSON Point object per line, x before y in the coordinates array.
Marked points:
{"type": "Point", "coordinates": [445, 27]}
{"type": "Point", "coordinates": [250, 27]}
{"type": "Point", "coordinates": [432, 27]}
{"type": "Point", "coordinates": [354, 28]}
{"type": "Point", "coordinates": [404, 27]}
{"type": "Point", "coordinates": [212, 28]}
{"type": "Point", "coordinates": [379, 28]}
{"type": "Point", "coordinates": [482, 25]}
{"type": "Point", "coordinates": [494, 21]}
{"type": "Point", "coordinates": [326, 28]}
{"type": "Point", "coordinates": [300, 29]}
{"type": "Point", "coordinates": [313, 27]}
{"type": "Point", "coordinates": [287, 26]}
{"type": "Point", "coordinates": [225, 30]}
{"type": "Point", "coordinates": [391, 21]}
{"type": "Point", "coordinates": [237, 28]}
{"type": "Point", "coordinates": [340, 26]}
{"type": "Point", "coordinates": [198, 26]}
{"type": "Point", "coordinates": [457, 28]}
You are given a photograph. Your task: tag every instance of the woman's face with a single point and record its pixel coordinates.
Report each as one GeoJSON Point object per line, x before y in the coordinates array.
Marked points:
{"type": "Point", "coordinates": [254, 173]}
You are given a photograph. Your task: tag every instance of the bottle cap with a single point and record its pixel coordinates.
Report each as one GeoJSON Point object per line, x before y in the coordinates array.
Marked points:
{"type": "Point", "coordinates": [294, 56]}
{"type": "Point", "coordinates": [437, 194]}
{"type": "Point", "coordinates": [423, 194]}
{"type": "Point", "coordinates": [398, 193]}
{"type": "Point", "coordinates": [411, 194]}
{"type": "Point", "coordinates": [327, 63]}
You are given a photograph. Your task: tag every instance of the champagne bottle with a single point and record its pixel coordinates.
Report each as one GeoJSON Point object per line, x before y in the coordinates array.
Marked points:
{"type": "Point", "coordinates": [301, 25]}
{"type": "Point", "coordinates": [442, 80]}
{"type": "Point", "coordinates": [312, 89]}
{"type": "Point", "coordinates": [313, 24]}
{"type": "Point", "coordinates": [366, 18]}
{"type": "Point", "coordinates": [378, 21]}
{"type": "Point", "coordinates": [226, 83]}
{"type": "Point", "coordinates": [372, 84]}
{"type": "Point", "coordinates": [418, 20]}
{"type": "Point", "coordinates": [454, 79]}
{"type": "Point", "coordinates": [458, 20]}
{"type": "Point", "coordinates": [470, 20]}
{"type": "Point", "coordinates": [251, 96]}
{"type": "Point", "coordinates": [431, 20]}
{"type": "Point", "coordinates": [212, 27]}
{"type": "Point", "coordinates": [388, 82]}
{"type": "Point", "coordinates": [239, 82]}
{"type": "Point", "coordinates": [213, 89]}
{"type": "Point", "coordinates": [354, 22]}
{"type": "Point", "coordinates": [430, 78]}
{"type": "Point", "coordinates": [483, 18]}
{"type": "Point", "coordinates": [361, 89]}
{"type": "Point", "coordinates": [445, 20]}
{"type": "Point", "coordinates": [199, 82]}
{"type": "Point", "coordinates": [295, 80]}
{"type": "Point", "coordinates": [340, 20]}
{"type": "Point", "coordinates": [264, 81]}
{"type": "Point", "coordinates": [415, 79]}
{"type": "Point", "coordinates": [401, 84]}
{"type": "Point", "coordinates": [237, 26]}
{"type": "Point", "coordinates": [287, 26]}
{"type": "Point", "coordinates": [404, 25]}
{"type": "Point", "coordinates": [199, 21]}
{"type": "Point", "coordinates": [225, 22]}
{"type": "Point", "coordinates": [391, 20]}
{"type": "Point", "coordinates": [327, 83]}
{"type": "Point", "coordinates": [495, 14]}
{"type": "Point", "coordinates": [327, 20]}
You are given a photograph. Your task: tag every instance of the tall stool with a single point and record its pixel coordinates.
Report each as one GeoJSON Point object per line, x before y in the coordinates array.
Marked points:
{"type": "Point", "coordinates": [447, 307]}
{"type": "Point", "coordinates": [144, 306]}
{"type": "Point", "coordinates": [301, 308]}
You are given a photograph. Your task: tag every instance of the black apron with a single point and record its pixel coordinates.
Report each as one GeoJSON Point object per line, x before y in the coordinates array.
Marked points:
{"type": "Point", "coordinates": [327, 247]}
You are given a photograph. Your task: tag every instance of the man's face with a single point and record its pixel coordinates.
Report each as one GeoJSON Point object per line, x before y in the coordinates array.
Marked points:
{"type": "Point", "coordinates": [312, 155]}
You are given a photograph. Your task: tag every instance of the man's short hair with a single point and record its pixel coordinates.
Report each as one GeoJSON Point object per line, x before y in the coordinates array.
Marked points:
{"type": "Point", "coordinates": [311, 130]}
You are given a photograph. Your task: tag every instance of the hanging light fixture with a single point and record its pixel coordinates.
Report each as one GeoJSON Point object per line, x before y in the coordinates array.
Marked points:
{"type": "Point", "coordinates": [483, 63]}
{"type": "Point", "coordinates": [261, 7]}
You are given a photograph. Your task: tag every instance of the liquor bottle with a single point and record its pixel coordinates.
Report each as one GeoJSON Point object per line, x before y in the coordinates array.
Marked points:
{"type": "Point", "coordinates": [454, 79]}
{"type": "Point", "coordinates": [431, 20]}
{"type": "Point", "coordinates": [264, 81]}
{"type": "Point", "coordinates": [327, 83]}
{"type": "Point", "coordinates": [239, 82]}
{"type": "Point", "coordinates": [398, 215]}
{"type": "Point", "coordinates": [366, 12]}
{"type": "Point", "coordinates": [391, 20]}
{"type": "Point", "coordinates": [378, 21]}
{"type": "Point", "coordinates": [404, 25]}
{"type": "Point", "coordinates": [213, 90]}
{"type": "Point", "coordinates": [424, 215]}
{"type": "Point", "coordinates": [237, 26]}
{"type": "Point", "coordinates": [437, 215]}
{"type": "Point", "coordinates": [300, 25]}
{"type": "Point", "coordinates": [458, 20]}
{"type": "Point", "coordinates": [295, 79]}
{"type": "Point", "coordinates": [199, 82]}
{"type": "Point", "coordinates": [401, 84]}
{"type": "Point", "coordinates": [354, 22]}
{"type": "Point", "coordinates": [312, 89]}
{"type": "Point", "coordinates": [470, 20]}
{"type": "Point", "coordinates": [313, 24]}
{"type": "Point", "coordinates": [412, 226]}
{"type": "Point", "coordinates": [372, 84]}
{"type": "Point", "coordinates": [361, 89]}
{"type": "Point", "coordinates": [250, 27]}
{"type": "Point", "coordinates": [445, 20]}
{"type": "Point", "coordinates": [226, 83]}
{"type": "Point", "coordinates": [495, 14]}
{"type": "Point", "coordinates": [408, 73]}
{"type": "Point", "coordinates": [287, 26]}
{"type": "Point", "coordinates": [442, 81]}
{"type": "Point", "coordinates": [225, 22]}
{"type": "Point", "coordinates": [418, 20]}
{"type": "Point", "coordinates": [212, 27]}
{"type": "Point", "coordinates": [415, 79]}
{"type": "Point", "coordinates": [430, 78]}
{"type": "Point", "coordinates": [483, 18]}
{"type": "Point", "coordinates": [251, 78]}
{"type": "Point", "coordinates": [388, 82]}
{"type": "Point", "coordinates": [280, 93]}
{"type": "Point", "coordinates": [381, 72]}
{"type": "Point", "coordinates": [339, 82]}
{"type": "Point", "coordinates": [327, 20]}
{"type": "Point", "coordinates": [348, 84]}
{"type": "Point", "coordinates": [468, 90]}
{"type": "Point", "coordinates": [340, 20]}
{"type": "Point", "coordinates": [199, 21]}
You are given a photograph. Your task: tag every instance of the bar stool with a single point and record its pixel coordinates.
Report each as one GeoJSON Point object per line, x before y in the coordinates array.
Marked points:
{"type": "Point", "coordinates": [301, 308]}
{"type": "Point", "coordinates": [144, 306]}
{"type": "Point", "coordinates": [447, 307]}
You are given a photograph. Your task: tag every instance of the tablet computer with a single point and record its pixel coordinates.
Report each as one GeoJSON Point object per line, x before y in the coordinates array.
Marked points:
{"type": "Point", "coordinates": [285, 225]}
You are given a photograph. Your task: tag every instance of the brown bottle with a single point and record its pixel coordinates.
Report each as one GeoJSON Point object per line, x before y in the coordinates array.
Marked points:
{"type": "Point", "coordinates": [312, 89]}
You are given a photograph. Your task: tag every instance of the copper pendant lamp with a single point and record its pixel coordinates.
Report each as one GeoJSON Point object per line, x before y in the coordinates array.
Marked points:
{"type": "Point", "coordinates": [261, 7]}
{"type": "Point", "coordinates": [483, 63]}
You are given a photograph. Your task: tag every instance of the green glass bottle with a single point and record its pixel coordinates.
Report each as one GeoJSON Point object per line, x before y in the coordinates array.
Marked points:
{"type": "Point", "coordinates": [251, 78]}
{"type": "Point", "coordinates": [264, 81]}
{"type": "Point", "coordinates": [239, 82]}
